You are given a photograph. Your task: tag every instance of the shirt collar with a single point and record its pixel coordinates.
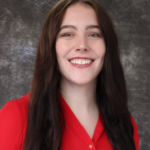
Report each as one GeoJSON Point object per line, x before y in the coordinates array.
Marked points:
{"type": "Point", "coordinates": [75, 125]}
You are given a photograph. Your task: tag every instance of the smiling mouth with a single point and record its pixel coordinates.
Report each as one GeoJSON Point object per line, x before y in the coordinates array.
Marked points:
{"type": "Point", "coordinates": [81, 61]}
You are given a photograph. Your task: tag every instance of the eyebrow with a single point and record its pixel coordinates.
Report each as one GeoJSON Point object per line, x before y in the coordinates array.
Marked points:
{"type": "Point", "coordinates": [92, 27]}
{"type": "Point", "coordinates": [67, 26]}
{"type": "Point", "coordinates": [73, 27]}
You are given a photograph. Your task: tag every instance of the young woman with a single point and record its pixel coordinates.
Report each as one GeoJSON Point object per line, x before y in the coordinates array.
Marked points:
{"type": "Point", "coordinates": [78, 98]}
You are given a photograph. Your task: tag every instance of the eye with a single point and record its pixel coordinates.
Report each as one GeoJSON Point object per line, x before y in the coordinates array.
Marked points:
{"type": "Point", "coordinates": [67, 35]}
{"type": "Point", "coordinates": [94, 35]}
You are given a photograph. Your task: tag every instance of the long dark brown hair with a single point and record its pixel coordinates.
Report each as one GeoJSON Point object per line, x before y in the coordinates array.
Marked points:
{"type": "Point", "coordinates": [44, 129]}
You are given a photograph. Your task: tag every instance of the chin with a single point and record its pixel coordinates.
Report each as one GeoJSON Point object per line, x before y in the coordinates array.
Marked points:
{"type": "Point", "coordinates": [82, 81]}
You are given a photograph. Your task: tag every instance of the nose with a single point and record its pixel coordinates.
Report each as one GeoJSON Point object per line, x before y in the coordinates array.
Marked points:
{"type": "Point", "coordinates": [82, 44]}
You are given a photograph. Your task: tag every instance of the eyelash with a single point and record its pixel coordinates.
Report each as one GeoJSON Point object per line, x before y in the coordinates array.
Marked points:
{"type": "Point", "coordinates": [91, 34]}
{"type": "Point", "coordinates": [97, 35]}
{"type": "Point", "coordinates": [66, 34]}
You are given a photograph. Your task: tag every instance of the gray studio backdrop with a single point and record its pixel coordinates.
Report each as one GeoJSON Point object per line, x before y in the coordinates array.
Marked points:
{"type": "Point", "coordinates": [20, 26]}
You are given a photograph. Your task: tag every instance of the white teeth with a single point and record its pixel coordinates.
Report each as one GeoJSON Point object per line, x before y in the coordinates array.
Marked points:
{"type": "Point", "coordinates": [73, 61]}
{"type": "Point", "coordinates": [81, 61]}
{"type": "Point", "coordinates": [78, 62]}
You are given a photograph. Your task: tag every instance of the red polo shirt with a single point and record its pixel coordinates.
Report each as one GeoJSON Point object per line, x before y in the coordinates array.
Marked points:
{"type": "Point", "coordinates": [13, 123]}
{"type": "Point", "coordinates": [75, 136]}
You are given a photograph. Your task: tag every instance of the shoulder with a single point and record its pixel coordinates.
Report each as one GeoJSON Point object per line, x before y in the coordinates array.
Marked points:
{"type": "Point", "coordinates": [135, 133]}
{"type": "Point", "coordinates": [15, 108]}
{"type": "Point", "coordinates": [13, 120]}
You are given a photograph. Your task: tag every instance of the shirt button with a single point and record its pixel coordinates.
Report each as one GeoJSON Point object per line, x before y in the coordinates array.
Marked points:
{"type": "Point", "coordinates": [90, 146]}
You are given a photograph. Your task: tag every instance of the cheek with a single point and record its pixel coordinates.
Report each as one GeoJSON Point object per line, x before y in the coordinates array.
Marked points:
{"type": "Point", "coordinates": [62, 48]}
{"type": "Point", "coordinates": [97, 45]}
{"type": "Point", "coordinates": [100, 50]}
{"type": "Point", "coordinates": [59, 50]}
{"type": "Point", "coordinates": [61, 53]}
{"type": "Point", "coordinates": [58, 47]}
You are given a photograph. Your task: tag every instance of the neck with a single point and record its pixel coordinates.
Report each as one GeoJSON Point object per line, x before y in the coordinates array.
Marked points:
{"type": "Point", "coordinates": [81, 98]}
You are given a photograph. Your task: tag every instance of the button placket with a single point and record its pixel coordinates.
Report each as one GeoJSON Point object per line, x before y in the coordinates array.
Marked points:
{"type": "Point", "coordinates": [90, 146]}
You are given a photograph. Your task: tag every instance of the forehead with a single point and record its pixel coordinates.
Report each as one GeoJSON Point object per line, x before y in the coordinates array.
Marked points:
{"type": "Point", "coordinates": [79, 13]}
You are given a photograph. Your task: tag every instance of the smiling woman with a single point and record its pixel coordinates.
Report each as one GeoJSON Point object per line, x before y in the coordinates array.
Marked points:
{"type": "Point", "coordinates": [79, 44]}
{"type": "Point", "coordinates": [78, 99]}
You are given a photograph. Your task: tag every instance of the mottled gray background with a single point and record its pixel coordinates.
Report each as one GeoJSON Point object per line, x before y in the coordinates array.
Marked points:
{"type": "Point", "coordinates": [20, 26]}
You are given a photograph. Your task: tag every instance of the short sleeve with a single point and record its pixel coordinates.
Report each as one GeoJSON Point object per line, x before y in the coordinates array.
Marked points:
{"type": "Point", "coordinates": [11, 126]}
{"type": "Point", "coordinates": [135, 134]}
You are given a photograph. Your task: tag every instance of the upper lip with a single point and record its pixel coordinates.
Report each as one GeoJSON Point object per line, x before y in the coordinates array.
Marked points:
{"type": "Point", "coordinates": [80, 58]}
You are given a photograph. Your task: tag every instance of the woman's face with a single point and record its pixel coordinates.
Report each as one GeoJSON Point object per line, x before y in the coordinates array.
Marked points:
{"type": "Point", "coordinates": [80, 47]}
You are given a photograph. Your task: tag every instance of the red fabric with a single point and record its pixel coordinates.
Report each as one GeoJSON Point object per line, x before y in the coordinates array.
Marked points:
{"type": "Point", "coordinates": [76, 138]}
{"type": "Point", "coordinates": [13, 123]}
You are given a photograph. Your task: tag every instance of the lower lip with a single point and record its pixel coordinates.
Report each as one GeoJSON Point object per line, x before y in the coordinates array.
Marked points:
{"type": "Point", "coordinates": [81, 66]}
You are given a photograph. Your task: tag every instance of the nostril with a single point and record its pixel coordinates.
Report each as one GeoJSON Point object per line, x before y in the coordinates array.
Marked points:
{"type": "Point", "coordinates": [80, 49]}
